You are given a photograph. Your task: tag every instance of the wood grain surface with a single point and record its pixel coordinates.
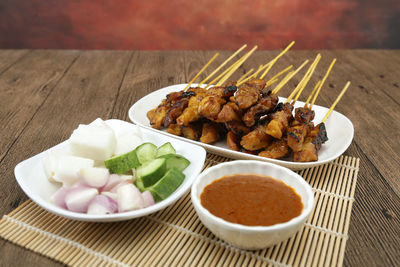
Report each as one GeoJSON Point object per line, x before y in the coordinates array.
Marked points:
{"type": "Point", "coordinates": [45, 94]}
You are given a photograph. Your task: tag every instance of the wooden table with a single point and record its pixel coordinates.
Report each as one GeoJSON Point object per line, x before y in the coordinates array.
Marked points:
{"type": "Point", "coordinates": [45, 94]}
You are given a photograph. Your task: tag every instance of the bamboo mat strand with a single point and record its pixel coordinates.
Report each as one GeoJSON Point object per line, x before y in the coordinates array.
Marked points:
{"type": "Point", "coordinates": [176, 237]}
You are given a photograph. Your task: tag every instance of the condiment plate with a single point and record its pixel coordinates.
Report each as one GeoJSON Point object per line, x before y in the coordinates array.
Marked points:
{"type": "Point", "coordinates": [31, 177]}
{"type": "Point", "coordinates": [339, 128]}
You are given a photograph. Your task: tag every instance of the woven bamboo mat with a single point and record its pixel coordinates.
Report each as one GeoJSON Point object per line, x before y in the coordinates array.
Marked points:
{"type": "Point", "coordinates": [176, 237]}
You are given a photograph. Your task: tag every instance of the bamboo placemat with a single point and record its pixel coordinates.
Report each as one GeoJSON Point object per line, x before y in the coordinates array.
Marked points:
{"type": "Point", "coordinates": [176, 237]}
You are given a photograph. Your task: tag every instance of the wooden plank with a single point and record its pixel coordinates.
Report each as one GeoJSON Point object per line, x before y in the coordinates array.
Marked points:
{"type": "Point", "coordinates": [9, 57]}
{"type": "Point", "coordinates": [147, 72]}
{"type": "Point", "coordinates": [24, 87]}
{"type": "Point", "coordinates": [374, 233]}
{"type": "Point", "coordinates": [86, 92]}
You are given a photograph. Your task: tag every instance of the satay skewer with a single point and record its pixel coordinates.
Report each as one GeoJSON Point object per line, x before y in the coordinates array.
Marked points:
{"type": "Point", "coordinates": [200, 72]}
{"type": "Point", "coordinates": [245, 75]}
{"type": "Point", "coordinates": [222, 65]}
{"type": "Point", "coordinates": [241, 61]}
{"type": "Point", "coordinates": [288, 77]}
{"type": "Point", "coordinates": [312, 93]}
{"type": "Point", "coordinates": [252, 76]}
{"type": "Point", "coordinates": [336, 101]}
{"type": "Point", "coordinates": [323, 81]}
{"type": "Point", "coordinates": [307, 77]}
{"type": "Point", "coordinates": [276, 59]}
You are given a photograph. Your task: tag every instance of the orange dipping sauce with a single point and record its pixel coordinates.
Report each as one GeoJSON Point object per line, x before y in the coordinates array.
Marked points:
{"type": "Point", "coordinates": [251, 199]}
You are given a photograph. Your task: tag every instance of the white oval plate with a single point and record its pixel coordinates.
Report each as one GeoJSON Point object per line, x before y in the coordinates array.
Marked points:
{"type": "Point", "coordinates": [339, 127]}
{"type": "Point", "coordinates": [31, 177]}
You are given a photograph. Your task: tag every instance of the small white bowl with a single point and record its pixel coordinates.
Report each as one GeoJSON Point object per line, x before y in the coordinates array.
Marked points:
{"type": "Point", "coordinates": [252, 237]}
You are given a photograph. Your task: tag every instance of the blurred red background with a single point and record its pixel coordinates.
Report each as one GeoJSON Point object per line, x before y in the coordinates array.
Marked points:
{"type": "Point", "coordinates": [207, 24]}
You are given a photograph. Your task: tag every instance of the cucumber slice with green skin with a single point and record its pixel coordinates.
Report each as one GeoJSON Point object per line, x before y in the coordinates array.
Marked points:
{"type": "Point", "coordinates": [176, 161]}
{"type": "Point", "coordinates": [167, 184]}
{"type": "Point", "coordinates": [146, 152]}
{"type": "Point", "coordinates": [150, 172]}
{"type": "Point", "coordinates": [122, 163]}
{"type": "Point", "coordinates": [165, 149]}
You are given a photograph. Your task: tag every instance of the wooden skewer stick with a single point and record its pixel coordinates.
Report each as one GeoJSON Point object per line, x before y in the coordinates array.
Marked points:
{"type": "Point", "coordinates": [198, 74]}
{"type": "Point", "coordinates": [271, 82]}
{"type": "Point", "coordinates": [276, 59]}
{"type": "Point", "coordinates": [288, 77]}
{"type": "Point", "coordinates": [312, 93]}
{"type": "Point", "coordinates": [280, 73]}
{"type": "Point", "coordinates": [336, 101]}
{"type": "Point", "coordinates": [252, 76]}
{"type": "Point", "coordinates": [222, 65]}
{"type": "Point", "coordinates": [229, 74]}
{"type": "Point", "coordinates": [222, 74]}
{"type": "Point", "coordinates": [307, 77]}
{"type": "Point", "coordinates": [322, 82]}
{"type": "Point", "coordinates": [245, 75]}
{"type": "Point", "coordinates": [260, 69]}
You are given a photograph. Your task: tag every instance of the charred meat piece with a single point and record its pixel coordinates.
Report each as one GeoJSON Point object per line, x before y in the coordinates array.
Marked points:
{"type": "Point", "coordinates": [175, 111]}
{"type": "Point", "coordinates": [266, 104]}
{"type": "Point", "coordinates": [211, 132]}
{"type": "Point", "coordinates": [174, 129]}
{"type": "Point", "coordinates": [307, 153]}
{"type": "Point", "coordinates": [192, 131]}
{"type": "Point", "coordinates": [189, 115]}
{"type": "Point", "coordinates": [276, 150]}
{"type": "Point", "coordinates": [297, 133]}
{"type": "Point", "coordinates": [229, 112]}
{"type": "Point", "coordinates": [257, 83]}
{"type": "Point", "coordinates": [232, 141]}
{"type": "Point", "coordinates": [256, 139]}
{"type": "Point", "coordinates": [280, 121]}
{"type": "Point", "coordinates": [156, 116]}
{"type": "Point", "coordinates": [246, 96]}
{"type": "Point", "coordinates": [210, 106]}
{"type": "Point", "coordinates": [304, 115]}
{"type": "Point", "coordinates": [237, 127]}
{"type": "Point", "coordinates": [312, 144]}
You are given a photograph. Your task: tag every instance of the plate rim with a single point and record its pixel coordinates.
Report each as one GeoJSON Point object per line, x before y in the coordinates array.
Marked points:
{"type": "Point", "coordinates": [50, 207]}
{"type": "Point", "coordinates": [241, 155]}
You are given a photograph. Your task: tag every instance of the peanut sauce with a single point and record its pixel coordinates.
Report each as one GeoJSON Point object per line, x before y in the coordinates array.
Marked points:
{"type": "Point", "coordinates": [251, 199]}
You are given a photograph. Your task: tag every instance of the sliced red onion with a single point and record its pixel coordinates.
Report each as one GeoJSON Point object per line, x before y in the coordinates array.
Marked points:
{"type": "Point", "coordinates": [129, 198]}
{"type": "Point", "coordinates": [110, 195]}
{"type": "Point", "coordinates": [78, 198]}
{"type": "Point", "coordinates": [101, 205]}
{"type": "Point", "coordinates": [113, 180]}
{"type": "Point", "coordinates": [147, 198]}
{"type": "Point", "coordinates": [59, 197]}
{"type": "Point", "coordinates": [115, 188]}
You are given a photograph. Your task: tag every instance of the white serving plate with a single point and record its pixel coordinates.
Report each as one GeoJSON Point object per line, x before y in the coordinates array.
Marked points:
{"type": "Point", "coordinates": [31, 177]}
{"type": "Point", "coordinates": [339, 128]}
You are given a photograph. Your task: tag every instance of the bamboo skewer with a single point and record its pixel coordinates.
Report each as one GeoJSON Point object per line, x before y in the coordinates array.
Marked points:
{"type": "Point", "coordinates": [312, 93]}
{"type": "Point", "coordinates": [241, 61]}
{"type": "Point", "coordinates": [245, 75]}
{"type": "Point", "coordinates": [307, 77]}
{"type": "Point", "coordinates": [322, 82]}
{"type": "Point", "coordinates": [288, 77]}
{"type": "Point", "coordinates": [271, 82]}
{"type": "Point", "coordinates": [198, 74]}
{"type": "Point", "coordinates": [336, 101]}
{"type": "Point", "coordinates": [280, 73]}
{"type": "Point", "coordinates": [276, 59]}
{"type": "Point", "coordinates": [252, 76]}
{"type": "Point", "coordinates": [223, 64]}
{"type": "Point", "coordinates": [222, 74]}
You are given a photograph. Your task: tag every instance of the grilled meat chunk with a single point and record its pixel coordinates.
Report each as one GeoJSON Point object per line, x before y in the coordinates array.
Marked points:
{"type": "Point", "coordinates": [256, 139]}
{"type": "Point", "coordinates": [266, 104]}
{"type": "Point", "coordinates": [276, 150]}
{"type": "Point", "coordinates": [280, 121]}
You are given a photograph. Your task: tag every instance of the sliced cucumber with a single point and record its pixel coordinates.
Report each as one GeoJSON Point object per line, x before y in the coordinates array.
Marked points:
{"type": "Point", "coordinates": [176, 161]}
{"type": "Point", "coordinates": [122, 163]}
{"type": "Point", "coordinates": [150, 172]}
{"type": "Point", "coordinates": [165, 149]}
{"type": "Point", "coordinates": [146, 152]}
{"type": "Point", "coordinates": [167, 184]}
